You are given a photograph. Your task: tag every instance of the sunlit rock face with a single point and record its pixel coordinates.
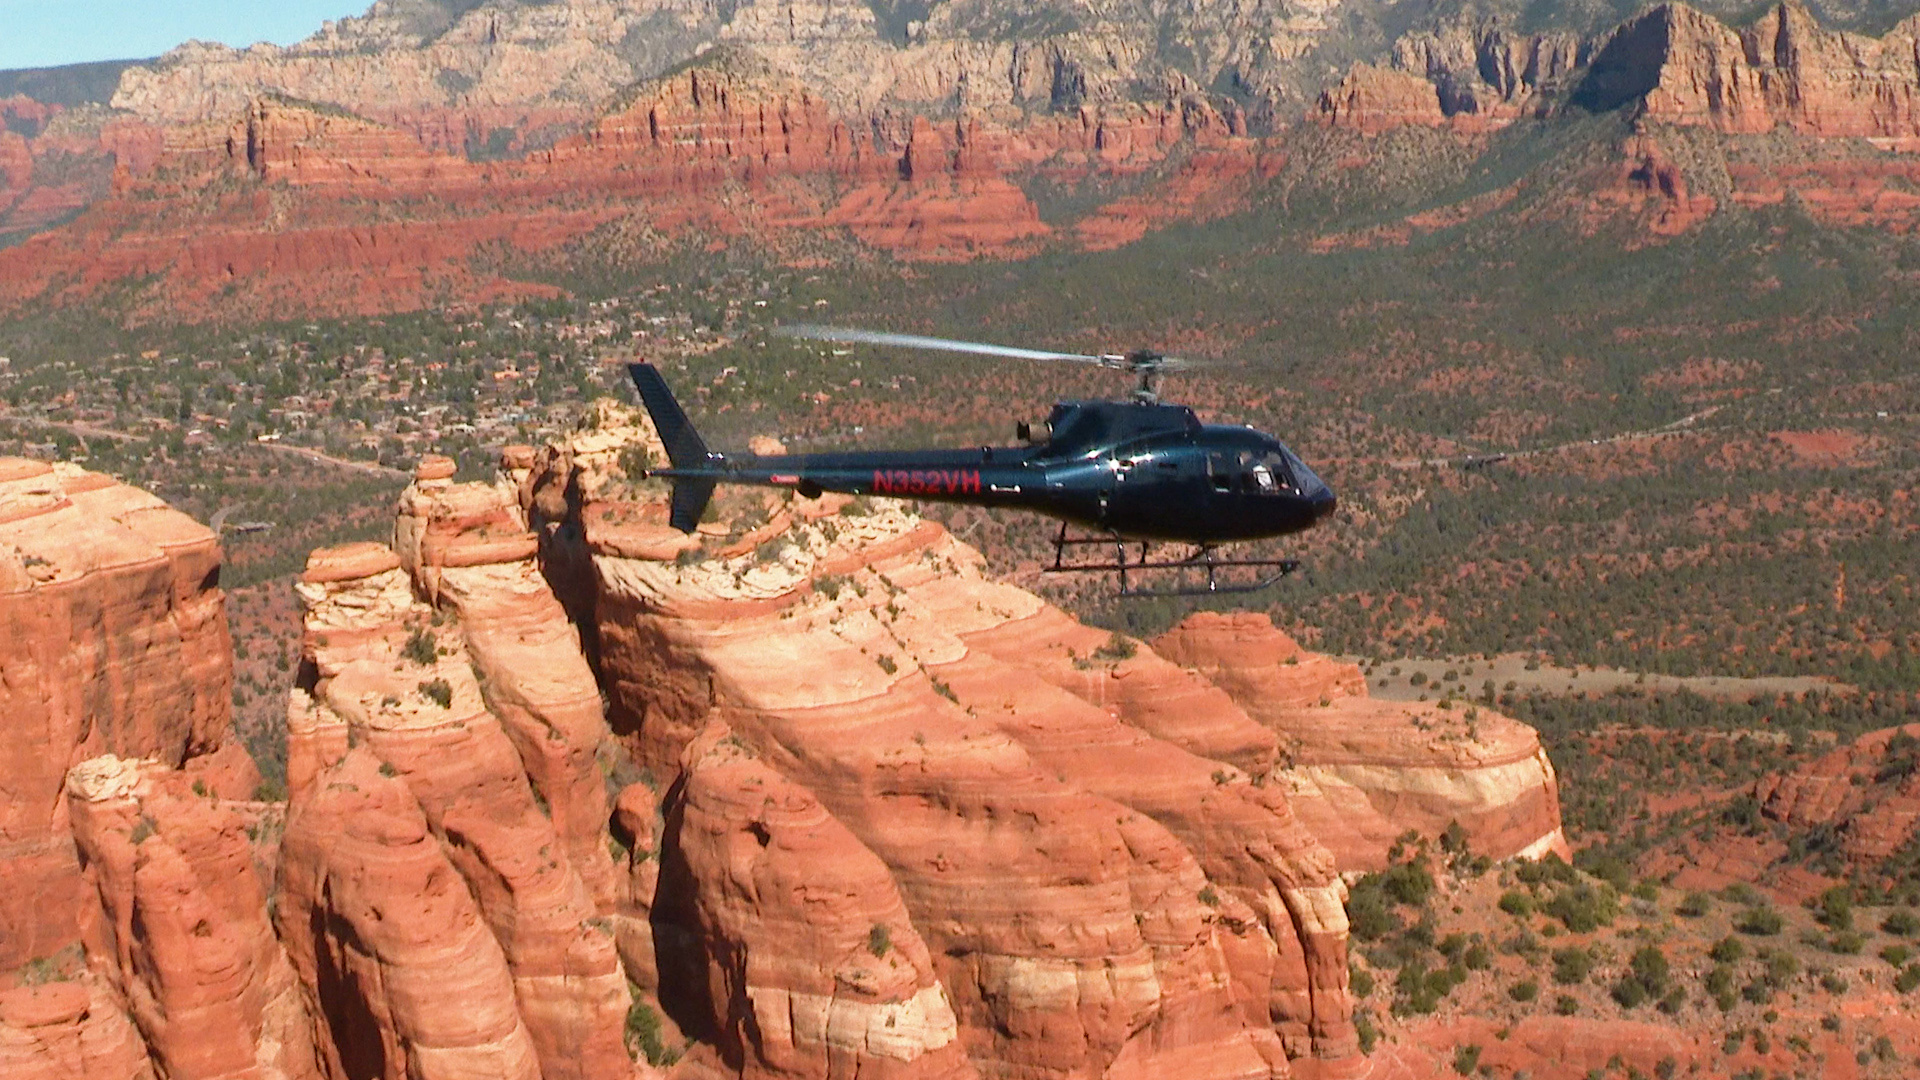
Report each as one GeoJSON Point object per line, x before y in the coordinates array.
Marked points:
{"type": "Point", "coordinates": [804, 794]}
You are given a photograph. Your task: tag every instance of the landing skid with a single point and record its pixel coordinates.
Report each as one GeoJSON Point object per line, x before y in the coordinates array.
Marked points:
{"type": "Point", "coordinates": [1205, 557]}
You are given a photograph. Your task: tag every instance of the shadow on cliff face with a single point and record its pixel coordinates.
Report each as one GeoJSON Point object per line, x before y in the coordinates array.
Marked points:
{"type": "Point", "coordinates": [344, 1003]}
{"type": "Point", "coordinates": [680, 956]}
{"type": "Point", "coordinates": [1628, 67]}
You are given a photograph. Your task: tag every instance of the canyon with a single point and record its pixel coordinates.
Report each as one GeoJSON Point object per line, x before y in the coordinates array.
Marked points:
{"type": "Point", "coordinates": [400, 155]}
{"type": "Point", "coordinates": [572, 794]}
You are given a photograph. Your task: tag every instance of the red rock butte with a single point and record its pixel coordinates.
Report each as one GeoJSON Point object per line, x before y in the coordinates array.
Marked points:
{"type": "Point", "coordinates": [805, 795]}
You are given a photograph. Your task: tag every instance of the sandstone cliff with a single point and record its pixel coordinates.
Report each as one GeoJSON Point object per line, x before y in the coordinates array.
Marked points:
{"type": "Point", "coordinates": [1361, 771]}
{"type": "Point", "coordinates": [850, 808]}
{"type": "Point", "coordinates": [134, 938]}
{"type": "Point", "coordinates": [506, 76]}
{"type": "Point", "coordinates": [1671, 65]}
{"type": "Point", "coordinates": [402, 153]}
{"type": "Point", "coordinates": [115, 643]}
{"type": "Point", "coordinates": [1865, 794]}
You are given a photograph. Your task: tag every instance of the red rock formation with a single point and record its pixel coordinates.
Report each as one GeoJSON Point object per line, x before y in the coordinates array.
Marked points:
{"type": "Point", "coordinates": [1374, 99]}
{"type": "Point", "coordinates": [115, 642]}
{"type": "Point", "coordinates": [729, 146]}
{"type": "Point", "coordinates": [875, 692]}
{"type": "Point", "coordinates": [1868, 791]}
{"type": "Point", "coordinates": [815, 968]}
{"type": "Point", "coordinates": [1359, 772]}
{"type": "Point", "coordinates": [185, 933]}
{"type": "Point", "coordinates": [67, 1030]}
{"type": "Point", "coordinates": [390, 945]}
{"type": "Point", "coordinates": [397, 678]}
{"type": "Point", "coordinates": [469, 551]}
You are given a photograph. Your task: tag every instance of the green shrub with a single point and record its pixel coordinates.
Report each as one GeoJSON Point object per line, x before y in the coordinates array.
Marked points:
{"type": "Point", "coordinates": [1847, 942]}
{"type": "Point", "coordinates": [1629, 993]}
{"type": "Point", "coordinates": [1834, 908]}
{"type": "Point", "coordinates": [1584, 908]}
{"type": "Point", "coordinates": [1781, 966]}
{"type": "Point", "coordinates": [1370, 914]}
{"type": "Point", "coordinates": [1728, 950]}
{"type": "Point", "coordinates": [1477, 957]}
{"type": "Point", "coordinates": [1466, 1059]}
{"type": "Point", "coordinates": [1524, 991]}
{"type": "Point", "coordinates": [1761, 921]}
{"type": "Point", "coordinates": [644, 1034]}
{"type": "Point", "coordinates": [1118, 647]}
{"type": "Point", "coordinates": [1694, 905]}
{"type": "Point", "coordinates": [422, 647]}
{"type": "Point", "coordinates": [1409, 883]}
{"type": "Point", "coordinates": [1645, 978]}
{"type": "Point", "coordinates": [1571, 965]}
{"type": "Point", "coordinates": [1902, 922]}
{"type": "Point", "coordinates": [1566, 1005]}
{"type": "Point", "coordinates": [1516, 903]}
{"type": "Point", "coordinates": [1363, 1026]}
{"type": "Point", "coordinates": [879, 939]}
{"type": "Point", "coordinates": [438, 691]}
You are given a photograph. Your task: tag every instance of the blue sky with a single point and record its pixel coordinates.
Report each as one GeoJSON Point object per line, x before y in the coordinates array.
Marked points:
{"type": "Point", "coordinates": [43, 33]}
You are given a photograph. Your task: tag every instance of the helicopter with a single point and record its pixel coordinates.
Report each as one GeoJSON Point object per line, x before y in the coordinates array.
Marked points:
{"type": "Point", "coordinates": [1138, 471]}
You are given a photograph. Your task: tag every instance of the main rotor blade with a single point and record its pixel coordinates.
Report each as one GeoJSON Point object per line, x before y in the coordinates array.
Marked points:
{"type": "Point", "coordinates": [917, 341]}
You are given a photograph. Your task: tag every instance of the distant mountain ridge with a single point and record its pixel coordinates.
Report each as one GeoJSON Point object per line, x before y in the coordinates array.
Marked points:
{"type": "Point", "coordinates": [405, 58]}
{"type": "Point", "coordinates": [423, 147]}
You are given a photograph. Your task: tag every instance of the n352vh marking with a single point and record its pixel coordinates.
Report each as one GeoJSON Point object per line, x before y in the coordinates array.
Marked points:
{"type": "Point", "coordinates": [926, 481]}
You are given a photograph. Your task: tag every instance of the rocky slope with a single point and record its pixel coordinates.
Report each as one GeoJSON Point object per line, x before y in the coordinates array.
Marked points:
{"type": "Point", "coordinates": [810, 796]}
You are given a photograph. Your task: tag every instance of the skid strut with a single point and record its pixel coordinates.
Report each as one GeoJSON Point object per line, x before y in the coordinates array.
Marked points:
{"type": "Point", "coordinates": [1204, 557]}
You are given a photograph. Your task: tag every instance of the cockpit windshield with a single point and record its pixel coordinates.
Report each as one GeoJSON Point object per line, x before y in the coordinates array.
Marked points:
{"type": "Point", "coordinates": [1252, 472]}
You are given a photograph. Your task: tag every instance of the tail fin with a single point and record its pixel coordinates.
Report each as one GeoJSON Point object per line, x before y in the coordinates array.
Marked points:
{"type": "Point", "coordinates": [685, 449]}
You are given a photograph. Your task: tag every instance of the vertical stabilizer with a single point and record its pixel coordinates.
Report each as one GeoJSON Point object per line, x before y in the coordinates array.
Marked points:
{"type": "Point", "coordinates": [685, 449]}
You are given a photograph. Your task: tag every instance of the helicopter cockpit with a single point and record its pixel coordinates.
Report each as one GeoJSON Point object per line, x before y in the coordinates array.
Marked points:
{"type": "Point", "coordinates": [1268, 470]}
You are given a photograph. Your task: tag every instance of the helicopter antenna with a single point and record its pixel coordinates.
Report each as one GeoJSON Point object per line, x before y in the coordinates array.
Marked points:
{"type": "Point", "coordinates": [1146, 365]}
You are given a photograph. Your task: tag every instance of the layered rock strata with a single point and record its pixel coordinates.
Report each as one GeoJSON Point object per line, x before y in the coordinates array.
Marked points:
{"type": "Point", "coordinates": [1867, 793]}
{"type": "Point", "coordinates": [854, 810]}
{"type": "Point", "coordinates": [184, 932]}
{"type": "Point", "coordinates": [116, 642]}
{"type": "Point", "coordinates": [1044, 851]}
{"type": "Point", "coordinates": [1360, 771]}
{"type": "Point", "coordinates": [408, 793]}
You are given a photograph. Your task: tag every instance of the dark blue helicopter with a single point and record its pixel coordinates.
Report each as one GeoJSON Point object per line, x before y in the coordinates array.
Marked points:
{"type": "Point", "coordinates": [1129, 471]}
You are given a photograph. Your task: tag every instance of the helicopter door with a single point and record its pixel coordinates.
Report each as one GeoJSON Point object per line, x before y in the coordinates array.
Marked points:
{"type": "Point", "coordinates": [1221, 469]}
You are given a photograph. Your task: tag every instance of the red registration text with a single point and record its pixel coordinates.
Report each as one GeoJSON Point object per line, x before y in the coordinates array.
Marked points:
{"type": "Point", "coordinates": [926, 481]}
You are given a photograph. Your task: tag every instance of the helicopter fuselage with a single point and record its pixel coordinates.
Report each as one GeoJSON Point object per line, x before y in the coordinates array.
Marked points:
{"type": "Point", "coordinates": [1144, 471]}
